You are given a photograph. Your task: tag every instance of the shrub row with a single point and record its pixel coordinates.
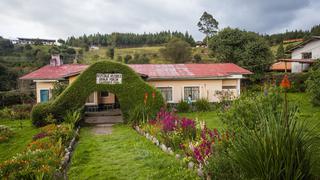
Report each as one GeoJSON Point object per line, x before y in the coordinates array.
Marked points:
{"type": "Point", "coordinates": [9, 98]}
{"type": "Point", "coordinates": [200, 105]}
{"type": "Point", "coordinates": [21, 111]}
{"type": "Point", "coordinates": [131, 92]}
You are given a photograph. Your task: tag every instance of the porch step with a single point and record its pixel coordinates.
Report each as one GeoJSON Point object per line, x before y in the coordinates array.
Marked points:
{"type": "Point", "coordinates": [99, 120]}
{"type": "Point", "coordinates": [114, 112]}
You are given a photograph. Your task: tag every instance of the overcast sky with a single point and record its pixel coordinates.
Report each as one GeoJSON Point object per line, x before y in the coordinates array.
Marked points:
{"type": "Point", "coordinates": [63, 18]}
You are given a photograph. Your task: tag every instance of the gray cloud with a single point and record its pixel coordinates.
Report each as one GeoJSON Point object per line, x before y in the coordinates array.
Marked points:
{"type": "Point", "coordinates": [63, 18]}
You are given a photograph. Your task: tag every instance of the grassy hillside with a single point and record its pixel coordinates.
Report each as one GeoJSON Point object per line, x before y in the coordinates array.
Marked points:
{"type": "Point", "coordinates": [152, 53]}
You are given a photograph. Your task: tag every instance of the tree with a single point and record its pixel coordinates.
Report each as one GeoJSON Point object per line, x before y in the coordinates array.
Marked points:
{"type": "Point", "coordinates": [280, 52]}
{"type": "Point", "coordinates": [208, 25]}
{"type": "Point", "coordinates": [139, 59]}
{"type": "Point", "coordinates": [5, 46]}
{"type": "Point", "coordinates": [246, 49]}
{"type": "Point", "coordinates": [313, 84]}
{"type": "Point", "coordinates": [61, 41]}
{"type": "Point", "coordinates": [197, 58]}
{"type": "Point", "coordinates": [110, 52]}
{"type": "Point", "coordinates": [177, 50]}
{"type": "Point", "coordinates": [127, 58]}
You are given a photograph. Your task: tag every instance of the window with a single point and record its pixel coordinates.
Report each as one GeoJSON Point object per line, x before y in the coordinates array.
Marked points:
{"type": "Point", "coordinates": [306, 55]}
{"type": "Point", "coordinates": [104, 94]}
{"type": "Point", "coordinates": [44, 95]}
{"type": "Point", "coordinates": [229, 87]}
{"type": "Point", "coordinates": [166, 93]}
{"type": "Point", "coordinates": [194, 92]}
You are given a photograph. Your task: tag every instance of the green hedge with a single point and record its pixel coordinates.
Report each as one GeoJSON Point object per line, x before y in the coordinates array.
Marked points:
{"type": "Point", "coordinates": [130, 93]}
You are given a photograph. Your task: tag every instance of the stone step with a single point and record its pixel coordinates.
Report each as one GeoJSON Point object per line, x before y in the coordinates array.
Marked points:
{"type": "Point", "coordinates": [103, 113]}
{"type": "Point", "coordinates": [94, 120]}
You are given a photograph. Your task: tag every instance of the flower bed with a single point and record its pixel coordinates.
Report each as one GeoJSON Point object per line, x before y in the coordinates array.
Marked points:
{"type": "Point", "coordinates": [183, 136]}
{"type": "Point", "coordinates": [43, 157]}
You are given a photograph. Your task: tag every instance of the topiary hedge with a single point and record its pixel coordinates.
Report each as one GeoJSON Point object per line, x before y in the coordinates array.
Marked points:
{"type": "Point", "coordinates": [130, 93]}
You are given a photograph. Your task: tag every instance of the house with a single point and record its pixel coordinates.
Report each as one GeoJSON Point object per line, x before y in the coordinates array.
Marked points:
{"type": "Point", "coordinates": [33, 41]}
{"type": "Point", "coordinates": [175, 81]}
{"type": "Point", "coordinates": [302, 56]}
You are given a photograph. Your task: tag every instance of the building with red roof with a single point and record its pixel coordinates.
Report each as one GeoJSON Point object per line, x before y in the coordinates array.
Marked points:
{"type": "Point", "coordinates": [175, 81]}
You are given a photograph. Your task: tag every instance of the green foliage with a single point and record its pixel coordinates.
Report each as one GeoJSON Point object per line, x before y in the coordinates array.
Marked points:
{"type": "Point", "coordinates": [72, 118]}
{"type": "Point", "coordinates": [128, 39]}
{"type": "Point", "coordinates": [110, 52]}
{"type": "Point", "coordinates": [5, 46]}
{"type": "Point", "coordinates": [7, 78]}
{"type": "Point", "coordinates": [246, 110]}
{"type": "Point", "coordinates": [130, 93]}
{"type": "Point", "coordinates": [277, 148]}
{"type": "Point", "coordinates": [313, 86]}
{"type": "Point", "coordinates": [207, 24]}
{"type": "Point", "coordinates": [280, 52]}
{"type": "Point", "coordinates": [220, 164]}
{"type": "Point", "coordinates": [202, 105]}
{"type": "Point", "coordinates": [5, 133]}
{"type": "Point", "coordinates": [58, 88]}
{"type": "Point", "coordinates": [197, 58]}
{"type": "Point", "coordinates": [139, 59]}
{"type": "Point", "coordinates": [246, 49]}
{"type": "Point", "coordinates": [183, 106]}
{"type": "Point", "coordinates": [141, 114]}
{"type": "Point", "coordinates": [127, 58]}
{"type": "Point", "coordinates": [177, 50]}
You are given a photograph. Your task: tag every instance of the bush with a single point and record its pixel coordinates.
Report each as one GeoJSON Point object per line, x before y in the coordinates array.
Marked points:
{"type": "Point", "coordinates": [131, 92]}
{"type": "Point", "coordinates": [5, 133]}
{"type": "Point", "coordinates": [313, 87]}
{"type": "Point", "coordinates": [21, 111]}
{"type": "Point", "coordinates": [183, 106]}
{"type": "Point", "coordinates": [10, 98]}
{"type": "Point", "coordinates": [197, 58]}
{"type": "Point", "coordinates": [202, 105]}
{"type": "Point", "coordinates": [279, 148]}
{"type": "Point", "coordinates": [246, 110]}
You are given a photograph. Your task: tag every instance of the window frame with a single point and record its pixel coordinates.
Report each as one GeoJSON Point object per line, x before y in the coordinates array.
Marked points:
{"type": "Point", "coordinates": [304, 53]}
{"type": "Point", "coordinates": [171, 92]}
{"type": "Point", "coordinates": [44, 89]}
{"type": "Point", "coordinates": [193, 100]}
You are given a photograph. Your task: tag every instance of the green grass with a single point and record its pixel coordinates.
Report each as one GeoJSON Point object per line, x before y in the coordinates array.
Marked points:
{"type": "Point", "coordinates": [123, 155]}
{"type": "Point", "coordinates": [211, 118]}
{"type": "Point", "coordinates": [18, 142]}
{"type": "Point", "coordinates": [308, 112]}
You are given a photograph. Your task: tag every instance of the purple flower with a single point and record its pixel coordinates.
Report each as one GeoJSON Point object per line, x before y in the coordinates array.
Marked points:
{"type": "Point", "coordinates": [187, 123]}
{"type": "Point", "coordinates": [40, 136]}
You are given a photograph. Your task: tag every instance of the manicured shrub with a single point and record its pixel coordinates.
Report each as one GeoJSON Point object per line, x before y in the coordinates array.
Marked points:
{"type": "Point", "coordinates": [10, 98]}
{"type": "Point", "coordinates": [202, 105]}
{"type": "Point", "coordinates": [313, 87]}
{"type": "Point", "coordinates": [5, 133]}
{"type": "Point", "coordinates": [130, 93]}
{"type": "Point", "coordinates": [183, 106]}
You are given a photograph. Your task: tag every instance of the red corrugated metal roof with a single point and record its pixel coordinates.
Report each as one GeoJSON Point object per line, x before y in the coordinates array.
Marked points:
{"type": "Point", "coordinates": [55, 72]}
{"type": "Point", "coordinates": [188, 70]}
{"type": "Point", "coordinates": [166, 71]}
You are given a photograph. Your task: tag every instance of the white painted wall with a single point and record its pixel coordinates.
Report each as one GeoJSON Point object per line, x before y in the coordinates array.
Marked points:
{"type": "Point", "coordinates": [313, 47]}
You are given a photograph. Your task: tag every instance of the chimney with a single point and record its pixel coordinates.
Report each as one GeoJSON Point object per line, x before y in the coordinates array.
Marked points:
{"type": "Point", "coordinates": [56, 60]}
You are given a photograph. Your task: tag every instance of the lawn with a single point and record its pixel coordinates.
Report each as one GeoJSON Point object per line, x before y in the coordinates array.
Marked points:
{"type": "Point", "coordinates": [18, 142]}
{"type": "Point", "coordinates": [123, 155]}
{"type": "Point", "coordinates": [211, 118]}
{"type": "Point", "coordinates": [308, 112]}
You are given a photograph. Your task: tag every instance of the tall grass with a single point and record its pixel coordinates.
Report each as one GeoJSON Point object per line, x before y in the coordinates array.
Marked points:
{"type": "Point", "coordinates": [277, 148]}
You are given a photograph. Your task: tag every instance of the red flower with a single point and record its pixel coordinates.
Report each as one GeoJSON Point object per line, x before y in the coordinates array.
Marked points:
{"type": "Point", "coordinates": [285, 83]}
